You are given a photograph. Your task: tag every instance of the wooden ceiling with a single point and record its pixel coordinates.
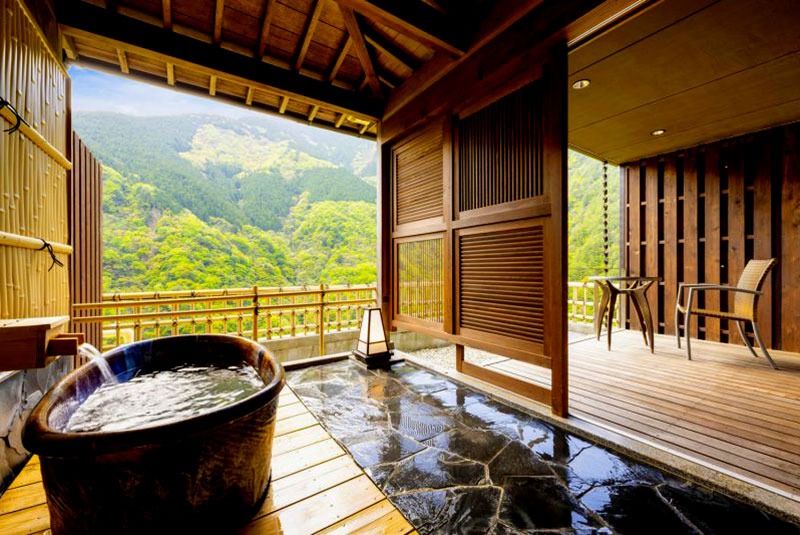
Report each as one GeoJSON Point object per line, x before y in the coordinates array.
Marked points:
{"type": "Point", "coordinates": [328, 62]}
{"type": "Point", "coordinates": [702, 70]}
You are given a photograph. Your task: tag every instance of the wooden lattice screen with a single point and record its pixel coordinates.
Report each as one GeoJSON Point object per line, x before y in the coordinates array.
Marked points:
{"type": "Point", "coordinates": [478, 228]}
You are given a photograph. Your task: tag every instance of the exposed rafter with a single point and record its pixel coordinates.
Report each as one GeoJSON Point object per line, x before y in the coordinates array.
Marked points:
{"type": "Point", "coordinates": [340, 56]}
{"type": "Point", "coordinates": [249, 98]}
{"type": "Point", "coordinates": [83, 20]}
{"type": "Point", "coordinates": [415, 19]}
{"type": "Point", "coordinates": [360, 46]}
{"type": "Point", "coordinates": [311, 25]}
{"type": "Point", "coordinates": [339, 121]}
{"type": "Point", "coordinates": [312, 114]}
{"type": "Point", "coordinates": [69, 47]}
{"type": "Point", "coordinates": [166, 11]}
{"type": "Point", "coordinates": [386, 46]}
{"type": "Point", "coordinates": [284, 103]}
{"type": "Point", "coordinates": [212, 85]}
{"type": "Point", "coordinates": [170, 74]}
{"type": "Point", "coordinates": [123, 61]}
{"type": "Point", "coordinates": [219, 12]}
{"type": "Point", "coordinates": [266, 22]}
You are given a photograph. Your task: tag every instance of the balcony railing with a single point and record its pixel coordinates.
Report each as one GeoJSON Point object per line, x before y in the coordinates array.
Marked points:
{"type": "Point", "coordinates": [257, 313]}
{"type": "Point", "coordinates": [582, 299]}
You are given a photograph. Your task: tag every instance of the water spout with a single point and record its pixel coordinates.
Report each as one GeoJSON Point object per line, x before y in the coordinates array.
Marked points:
{"type": "Point", "coordinates": [91, 352]}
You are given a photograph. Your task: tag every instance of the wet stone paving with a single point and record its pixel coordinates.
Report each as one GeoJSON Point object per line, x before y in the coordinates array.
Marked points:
{"type": "Point", "coordinates": [453, 461]}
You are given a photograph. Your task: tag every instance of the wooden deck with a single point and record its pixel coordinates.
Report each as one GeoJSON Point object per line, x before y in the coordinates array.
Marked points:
{"type": "Point", "coordinates": [724, 409]}
{"type": "Point", "coordinates": [316, 488]}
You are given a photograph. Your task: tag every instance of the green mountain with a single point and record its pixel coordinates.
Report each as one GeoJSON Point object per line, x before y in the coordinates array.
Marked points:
{"type": "Point", "coordinates": [208, 202]}
{"type": "Point", "coordinates": [196, 201]}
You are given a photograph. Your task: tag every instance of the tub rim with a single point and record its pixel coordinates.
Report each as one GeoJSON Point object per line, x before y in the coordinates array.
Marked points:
{"type": "Point", "coordinates": [42, 439]}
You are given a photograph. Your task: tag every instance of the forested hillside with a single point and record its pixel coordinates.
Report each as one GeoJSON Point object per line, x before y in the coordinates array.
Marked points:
{"type": "Point", "coordinates": [197, 201]}
{"type": "Point", "coordinates": [209, 202]}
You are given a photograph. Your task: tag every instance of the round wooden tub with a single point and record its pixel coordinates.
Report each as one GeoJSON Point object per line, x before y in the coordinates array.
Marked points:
{"type": "Point", "coordinates": [207, 473]}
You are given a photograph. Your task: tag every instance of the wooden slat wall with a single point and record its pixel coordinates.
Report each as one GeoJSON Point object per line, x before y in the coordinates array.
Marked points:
{"type": "Point", "coordinates": [33, 185]}
{"type": "Point", "coordinates": [707, 211]}
{"type": "Point", "coordinates": [85, 232]}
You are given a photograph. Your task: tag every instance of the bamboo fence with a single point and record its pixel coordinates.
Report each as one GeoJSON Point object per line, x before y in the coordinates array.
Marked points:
{"type": "Point", "coordinates": [33, 170]}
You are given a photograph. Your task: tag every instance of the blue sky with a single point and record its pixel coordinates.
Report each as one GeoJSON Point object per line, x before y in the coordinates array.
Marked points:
{"type": "Point", "coordinates": [98, 91]}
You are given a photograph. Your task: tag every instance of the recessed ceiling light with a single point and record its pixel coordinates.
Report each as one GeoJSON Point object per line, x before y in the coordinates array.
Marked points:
{"type": "Point", "coordinates": [581, 84]}
{"type": "Point", "coordinates": [659, 132]}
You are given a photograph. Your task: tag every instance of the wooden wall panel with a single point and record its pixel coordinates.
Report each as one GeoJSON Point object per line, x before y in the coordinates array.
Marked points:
{"type": "Point", "coordinates": [691, 218]}
{"type": "Point", "coordinates": [671, 236]}
{"type": "Point", "coordinates": [719, 206]}
{"type": "Point", "coordinates": [85, 222]}
{"type": "Point", "coordinates": [790, 240]}
{"type": "Point", "coordinates": [653, 211]}
{"type": "Point", "coordinates": [712, 238]}
{"type": "Point", "coordinates": [763, 237]}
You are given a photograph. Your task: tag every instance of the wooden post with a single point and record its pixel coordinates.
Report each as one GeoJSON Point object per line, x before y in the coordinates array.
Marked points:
{"type": "Point", "coordinates": [255, 313]}
{"type": "Point", "coordinates": [321, 320]}
{"type": "Point", "coordinates": [459, 357]}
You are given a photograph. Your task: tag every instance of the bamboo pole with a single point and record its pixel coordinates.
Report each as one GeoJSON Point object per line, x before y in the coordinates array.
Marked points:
{"type": "Point", "coordinates": [37, 139]}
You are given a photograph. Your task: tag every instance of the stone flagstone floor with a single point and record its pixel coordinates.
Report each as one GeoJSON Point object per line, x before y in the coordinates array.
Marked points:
{"type": "Point", "coordinates": [456, 461]}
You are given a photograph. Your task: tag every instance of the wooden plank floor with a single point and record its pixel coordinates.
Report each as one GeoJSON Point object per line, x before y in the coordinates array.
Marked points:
{"type": "Point", "coordinates": [316, 488]}
{"type": "Point", "coordinates": [724, 408]}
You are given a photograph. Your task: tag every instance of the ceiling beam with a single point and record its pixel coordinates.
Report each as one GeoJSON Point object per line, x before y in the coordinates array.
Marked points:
{"type": "Point", "coordinates": [266, 22]}
{"type": "Point", "coordinates": [166, 9]}
{"type": "Point", "coordinates": [170, 74]}
{"type": "Point", "coordinates": [541, 16]}
{"type": "Point", "coordinates": [212, 85]}
{"type": "Point", "coordinates": [87, 21]}
{"type": "Point", "coordinates": [249, 98]}
{"type": "Point", "coordinates": [351, 23]}
{"type": "Point", "coordinates": [380, 42]}
{"type": "Point", "coordinates": [311, 25]}
{"type": "Point", "coordinates": [414, 19]}
{"type": "Point", "coordinates": [340, 57]}
{"type": "Point", "coordinates": [284, 103]}
{"type": "Point", "coordinates": [219, 13]}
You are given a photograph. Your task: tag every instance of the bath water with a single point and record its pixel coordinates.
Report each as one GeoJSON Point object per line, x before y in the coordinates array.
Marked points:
{"type": "Point", "coordinates": [162, 397]}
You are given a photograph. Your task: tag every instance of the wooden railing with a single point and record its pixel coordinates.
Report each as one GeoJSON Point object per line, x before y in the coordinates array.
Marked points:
{"type": "Point", "coordinates": [582, 299]}
{"type": "Point", "coordinates": [257, 313]}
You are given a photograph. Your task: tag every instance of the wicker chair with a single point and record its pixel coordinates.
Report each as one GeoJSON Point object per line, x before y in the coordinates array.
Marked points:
{"type": "Point", "coordinates": [745, 305]}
